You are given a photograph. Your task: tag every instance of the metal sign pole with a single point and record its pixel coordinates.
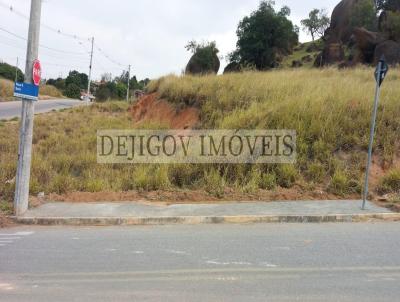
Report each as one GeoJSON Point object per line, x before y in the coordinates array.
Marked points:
{"type": "Point", "coordinates": [379, 79]}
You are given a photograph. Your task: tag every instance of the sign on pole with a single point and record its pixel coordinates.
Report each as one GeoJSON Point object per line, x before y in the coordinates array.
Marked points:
{"type": "Point", "coordinates": [26, 91]}
{"type": "Point", "coordinates": [36, 72]}
{"type": "Point", "coordinates": [380, 75]}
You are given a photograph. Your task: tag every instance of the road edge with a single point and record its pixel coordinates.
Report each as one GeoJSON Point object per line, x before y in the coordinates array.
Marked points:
{"type": "Point", "coordinates": [196, 220]}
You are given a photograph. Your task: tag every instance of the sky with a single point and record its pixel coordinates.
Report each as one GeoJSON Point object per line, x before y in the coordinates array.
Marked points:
{"type": "Point", "coordinates": [150, 35]}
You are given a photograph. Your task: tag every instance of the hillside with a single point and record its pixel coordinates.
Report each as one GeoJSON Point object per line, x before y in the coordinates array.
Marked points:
{"type": "Point", "coordinates": [304, 55]}
{"type": "Point", "coordinates": [329, 109]}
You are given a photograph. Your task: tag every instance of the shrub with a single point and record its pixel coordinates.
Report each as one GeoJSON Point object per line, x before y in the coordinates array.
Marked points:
{"type": "Point", "coordinates": [73, 91]}
{"type": "Point", "coordinates": [342, 184]}
{"type": "Point", "coordinates": [287, 175]}
{"type": "Point", "coordinates": [390, 183]}
{"type": "Point", "coordinates": [268, 181]}
{"type": "Point", "coordinates": [8, 72]}
{"type": "Point", "coordinates": [214, 183]}
{"type": "Point", "coordinates": [316, 172]}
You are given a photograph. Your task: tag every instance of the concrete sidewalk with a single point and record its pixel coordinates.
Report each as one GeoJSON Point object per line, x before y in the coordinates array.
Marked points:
{"type": "Point", "coordinates": [260, 212]}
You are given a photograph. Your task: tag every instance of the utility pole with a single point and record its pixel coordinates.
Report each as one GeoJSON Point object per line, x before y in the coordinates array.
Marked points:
{"type": "Point", "coordinates": [21, 198]}
{"type": "Point", "coordinates": [129, 78]}
{"type": "Point", "coordinates": [90, 74]}
{"type": "Point", "coordinates": [16, 71]}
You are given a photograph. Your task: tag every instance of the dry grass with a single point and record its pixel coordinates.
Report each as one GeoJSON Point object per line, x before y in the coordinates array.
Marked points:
{"type": "Point", "coordinates": [330, 110]}
{"type": "Point", "coordinates": [6, 89]}
{"type": "Point", "coordinates": [51, 91]}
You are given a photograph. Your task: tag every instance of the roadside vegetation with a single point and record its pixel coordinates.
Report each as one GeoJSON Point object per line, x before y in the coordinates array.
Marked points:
{"type": "Point", "coordinates": [6, 90]}
{"type": "Point", "coordinates": [329, 109]}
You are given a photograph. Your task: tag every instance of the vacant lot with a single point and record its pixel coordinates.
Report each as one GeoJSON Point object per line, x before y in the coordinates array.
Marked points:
{"type": "Point", "coordinates": [329, 109]}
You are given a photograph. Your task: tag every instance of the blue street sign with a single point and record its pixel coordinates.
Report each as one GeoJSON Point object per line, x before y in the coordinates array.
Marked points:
{"type": "Point", "coordinates": [26, 91]}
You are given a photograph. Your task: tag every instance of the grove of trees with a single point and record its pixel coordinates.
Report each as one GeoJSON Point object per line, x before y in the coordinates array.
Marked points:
{"type": "Point", "coordinates": [8, 72]}
{"type": "Point", "coordinates": [265, 37]}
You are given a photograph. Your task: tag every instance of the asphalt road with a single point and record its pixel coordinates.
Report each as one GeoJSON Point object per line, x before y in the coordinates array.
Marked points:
{"type": "Point", "coordinates": [287, 262]}
{"type": "Point", "coordinates": [9, 110]}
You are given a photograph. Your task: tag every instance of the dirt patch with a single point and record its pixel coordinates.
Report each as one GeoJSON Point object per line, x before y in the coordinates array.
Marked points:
{"type": "Point", "coordinates": [195, 196]}
{"type": "Point", "coordinates": [4, 221]}
{"type": "Point", "coordinates": [150, 109]}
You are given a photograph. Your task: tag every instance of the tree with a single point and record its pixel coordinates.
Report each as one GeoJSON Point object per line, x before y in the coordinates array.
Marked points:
{"type": "Point", "coordinates": [77, 78]}
{"type": "Point", "coordinates": [364, 14]}
{"type": "Point", "coordinates": [317, 23]}
{"type": "Point", "coordinates": [391, 5]}
{"type": "Point", "coordinates": [264, 36]}
{"type": "Point", "coordinates": [8, 72]}
{"type": "Point", "coordinates": [59, 83]}
{"type": "Point", "coordinates": [73, 91]}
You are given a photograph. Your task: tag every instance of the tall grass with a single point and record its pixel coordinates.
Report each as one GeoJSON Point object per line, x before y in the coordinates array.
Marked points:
{"type": "Point", "coordinates": [51, 91]}
{"type": "Point", "coordinates": [329, 109]}
{"type": "Point", "coordinates": [6, 89]}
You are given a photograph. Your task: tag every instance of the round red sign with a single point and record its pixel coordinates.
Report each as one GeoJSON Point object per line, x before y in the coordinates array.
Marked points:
{"type": "Point", "coordinates": [37, 72]}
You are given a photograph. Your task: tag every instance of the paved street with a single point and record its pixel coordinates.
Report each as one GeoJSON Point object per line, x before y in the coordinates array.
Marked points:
{"type": "Point", "coordinates": [9, 110]}
{"type": "Point", "coordinates": [271, 262]}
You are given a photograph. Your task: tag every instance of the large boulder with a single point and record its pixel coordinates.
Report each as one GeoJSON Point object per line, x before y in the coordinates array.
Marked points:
{"type": "Point", "coordinates": [390, 49]}
{"type": "Point", "coordinates": [332, 53]}
{"type": "Point", "coordinates": [340, 28]}
{"type": "Point", "coordinates": [365, 43]}
{"type": "Point", "coordinates": [232, 67]}
{"type": "Point", "coordinates": [198, 65]}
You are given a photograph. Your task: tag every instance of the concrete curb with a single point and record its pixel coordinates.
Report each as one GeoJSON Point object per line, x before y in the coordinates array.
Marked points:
{"type": "Point", "coordinates": [194, 220]}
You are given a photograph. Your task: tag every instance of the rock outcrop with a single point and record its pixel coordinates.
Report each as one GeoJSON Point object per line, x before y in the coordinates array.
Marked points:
{"type": "Point", "coordinates": [340, 29]}
{"type": "Point", "coordinates": [366, 42]}
{"type": "Point", "coordinates": [232, 67]}
{"type": "Point", "coordinates": [390, 49]}
{"type": "Point", "coordinates": [366, 47]}
{"type": "Point", "coordinates": [197, 65]}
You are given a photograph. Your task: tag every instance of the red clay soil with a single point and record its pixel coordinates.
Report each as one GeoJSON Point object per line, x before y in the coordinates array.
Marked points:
{"type": "Point", "coordinates": [152, 109]}
{"type": "Point", "coordinates": [194, 196]}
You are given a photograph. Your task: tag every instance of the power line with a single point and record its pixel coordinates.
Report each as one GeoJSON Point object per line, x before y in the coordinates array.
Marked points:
{"type": "Point", "coordinates": [58, 31]}
{"type": "Point", "coordinates": [65, 34]}
{"type": "Point", "coordinates": [108, 57]}
{"type": "Point", "coordinates": [41, 45]}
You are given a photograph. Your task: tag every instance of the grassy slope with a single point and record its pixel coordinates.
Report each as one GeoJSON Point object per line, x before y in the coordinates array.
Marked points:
{"type": "Point", "coordinates": [330, 110]}
{"type": "Point", "coordinates": [299, 53]}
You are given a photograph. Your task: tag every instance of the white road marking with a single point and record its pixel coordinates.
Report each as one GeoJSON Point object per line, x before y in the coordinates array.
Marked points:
{"type": "Point", "coordinates": [6, 287]}
{"type": "Point", "coordinates": [10, 238]}
{"type": "Point", "coordinates": [24, 233]}
{"type": "Point", "coordinates": [177, 252]}
{"type": "Point", "coordinates": [266, 264]}
{"type": "Point", "coordinates": [17, 234]}
{"type": "Point", "coordinates": [217, 262]}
